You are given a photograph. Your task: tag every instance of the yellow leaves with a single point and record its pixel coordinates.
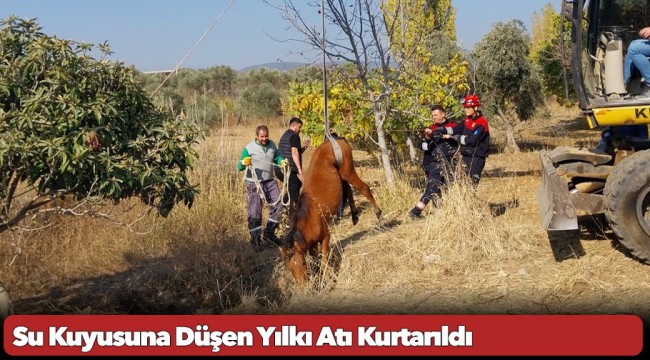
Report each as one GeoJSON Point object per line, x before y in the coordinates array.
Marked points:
{"type": "Point", "coordinates": [545, 30]}
{"type": "Point", "coordinates": [304, 104]}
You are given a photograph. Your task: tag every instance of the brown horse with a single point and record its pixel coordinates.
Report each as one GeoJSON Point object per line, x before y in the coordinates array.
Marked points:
{"type": "Point", "coordinates": [318, 203]}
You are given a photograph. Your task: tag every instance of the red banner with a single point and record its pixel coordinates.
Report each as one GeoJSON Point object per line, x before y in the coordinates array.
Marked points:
{"type": "Point", "coordinates": [82, 335]}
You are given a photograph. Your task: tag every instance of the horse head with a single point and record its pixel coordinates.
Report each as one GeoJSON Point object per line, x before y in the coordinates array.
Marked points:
{"type": "Point", "coordinates": [290, 250]}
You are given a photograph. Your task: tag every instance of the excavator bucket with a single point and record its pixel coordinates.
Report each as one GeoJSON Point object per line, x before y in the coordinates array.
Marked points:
{"type": "Point", "coordinates": [554, 200]}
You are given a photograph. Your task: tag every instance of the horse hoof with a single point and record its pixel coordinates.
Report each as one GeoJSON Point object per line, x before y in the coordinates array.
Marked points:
{"type": "Point", "coordinates": [355, 220]}
{"type": "Point", "coordinates": [378, 213]}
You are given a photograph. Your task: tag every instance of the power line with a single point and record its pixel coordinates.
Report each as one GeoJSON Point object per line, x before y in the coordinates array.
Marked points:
{"type": "Point", "coordinates": [192, 49]}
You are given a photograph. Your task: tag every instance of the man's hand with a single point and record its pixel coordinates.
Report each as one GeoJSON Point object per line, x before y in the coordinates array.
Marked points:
{"type": "Point", "coordinates": [645, 32]}
{"type": "Point", "coordinates": [284, 163]}
{"type": "Point", "coordinates": [246, 161]}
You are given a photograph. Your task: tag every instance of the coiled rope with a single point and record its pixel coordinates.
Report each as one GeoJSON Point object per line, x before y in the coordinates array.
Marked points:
{"type": "Point", "coordinates": [284, 187]}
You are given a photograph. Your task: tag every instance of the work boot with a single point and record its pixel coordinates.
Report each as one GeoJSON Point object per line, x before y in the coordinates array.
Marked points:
{"type": "Point", "coordinates": [256, 241]}
{"type": "Point", "coordinates": [415, 213]}
{"type": "Point", "coordinates": [272, 238]}
{"type": "Point", "coordinates": [644, 92]}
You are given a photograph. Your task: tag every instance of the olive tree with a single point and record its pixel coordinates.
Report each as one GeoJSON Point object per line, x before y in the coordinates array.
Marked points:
{"type": "Point", "coordinates": [504, 76]}
{"type": "Point", "coordinates": [83, 129]}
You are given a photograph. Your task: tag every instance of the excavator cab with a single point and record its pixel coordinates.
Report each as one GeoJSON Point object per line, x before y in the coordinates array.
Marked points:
{"type": "Point", "coordinates": [614, 177]}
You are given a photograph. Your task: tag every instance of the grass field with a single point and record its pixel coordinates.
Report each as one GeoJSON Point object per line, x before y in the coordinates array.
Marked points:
{"type": "Point", "coordinates": [482, 251]}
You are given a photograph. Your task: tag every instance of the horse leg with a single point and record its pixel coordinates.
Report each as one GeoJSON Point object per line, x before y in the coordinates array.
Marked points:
{"type": "Point", "coordinates": [351, 176]}
{"type": "Point", "coordinates": [325, 251]}
{"type": "Point", "coordinates": [325, 245]}
{"type": "Point", "coordinates": [347, 191]}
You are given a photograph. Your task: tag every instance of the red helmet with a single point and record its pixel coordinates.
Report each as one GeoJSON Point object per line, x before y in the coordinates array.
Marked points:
{"type": "Point", "coordinates": [470, 101]}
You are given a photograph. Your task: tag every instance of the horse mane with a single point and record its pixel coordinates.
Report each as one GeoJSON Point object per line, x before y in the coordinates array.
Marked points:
{"type": "Point", "coordinates": [301, 213]}
{"type": "Point", "coordinates": [302, 209]}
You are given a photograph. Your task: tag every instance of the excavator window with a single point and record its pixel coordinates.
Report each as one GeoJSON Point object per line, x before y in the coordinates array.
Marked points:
{"type": "Point", "coordinates": [626, 17]}
{"type": "Point", "coordinates": [608, 28]}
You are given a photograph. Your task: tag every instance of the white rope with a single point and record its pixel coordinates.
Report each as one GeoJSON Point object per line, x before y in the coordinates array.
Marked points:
{"type": "Point", "coordinates": [284, 188]}
{"type": "Point", "coordinates": [194, 47]}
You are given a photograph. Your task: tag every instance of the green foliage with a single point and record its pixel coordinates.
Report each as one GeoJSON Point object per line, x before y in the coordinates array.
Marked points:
{"type": "Point", "coordinates": [351, 114]}
{"type": "Point", "coordinates": [204, 111]}
{"type": "Point", "coordinates": [260, 101]}
{"type": "Point", "coordinates": [504, 72]}
{"type": "Point", "coordinates": [53, 96]}
{"type": "Point", "coordinates": [171, 100]}
{"type": "Point", "coordinates": [257, 77]}
{"type": "Point", "coordinates": [432, 73]}
{"type": "Point", "coordinates": [417, 25]}
{"type": "Point", "coordinates": [547, 56]}
{"type": "Point", "coordinates": [222, 80]}
{"type": "Point", "coordinates": [195, 93]}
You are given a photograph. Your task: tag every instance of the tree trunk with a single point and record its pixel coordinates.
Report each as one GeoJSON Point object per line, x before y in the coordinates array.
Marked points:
{"type": "Point", "coordinates": [510, 131]}
{"type": "Point", "coordinates": [380, 116]}
{"type": "Point", "coordinates": [411, 147]}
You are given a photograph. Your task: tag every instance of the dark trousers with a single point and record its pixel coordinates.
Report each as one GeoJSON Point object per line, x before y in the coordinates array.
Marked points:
{"type": "Point", "coordinates": [437, 175]}
{"type": "Point", "coordinates": [271, 193]}
{"type": "Point", "coordinates": [474, 167]}
{"type": "Point", "coordinates": [293, 192]}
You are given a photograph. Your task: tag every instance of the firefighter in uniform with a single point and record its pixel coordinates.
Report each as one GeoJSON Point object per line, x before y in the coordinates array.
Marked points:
{"type": "Point", "coordinates": [473, 135]}
{"type": "Point", "coordinates": [438, 160]}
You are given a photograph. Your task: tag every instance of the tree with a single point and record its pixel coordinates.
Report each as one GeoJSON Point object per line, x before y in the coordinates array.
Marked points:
{"type": "Point", "coordinates": [260, 101]}
{"type": "Point", "coordinates": [548, 57]}
{"type": "Point", "coordinates": [84, 129]}
{"type": "Point", "coordinates": [504, 75]}
{"type": "Point", "coordinates": [377, 39]}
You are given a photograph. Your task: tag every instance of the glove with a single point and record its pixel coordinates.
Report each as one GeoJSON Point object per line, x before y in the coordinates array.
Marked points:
{"type": "Point", "coordinates": [246, 161]}
{"type": "Point", "coordinates": [284, 163]}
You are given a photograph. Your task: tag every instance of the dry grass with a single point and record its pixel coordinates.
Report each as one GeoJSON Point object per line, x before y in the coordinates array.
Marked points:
{"type": "Point", "coordinates": [481, 251]}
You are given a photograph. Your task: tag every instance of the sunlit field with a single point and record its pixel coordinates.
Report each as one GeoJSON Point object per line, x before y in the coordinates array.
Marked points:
{"type": "Point", "coordinates": [481, 251]}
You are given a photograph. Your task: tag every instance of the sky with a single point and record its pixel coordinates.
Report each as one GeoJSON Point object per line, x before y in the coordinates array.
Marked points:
{"type": "Point", "coordinates": [158, 34]}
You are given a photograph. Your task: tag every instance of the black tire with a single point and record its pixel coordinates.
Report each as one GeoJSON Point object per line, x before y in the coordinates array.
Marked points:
{"type": "Point", "coordinates": [627, 203]}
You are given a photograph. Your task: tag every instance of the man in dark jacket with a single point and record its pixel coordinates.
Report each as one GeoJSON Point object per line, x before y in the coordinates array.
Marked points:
{"type": "Point", "coordinates": [473, 135]}
{"type": "Point", "coordinates": [438, 158]}
{"type": "Point", "coordinates": [290, 148]}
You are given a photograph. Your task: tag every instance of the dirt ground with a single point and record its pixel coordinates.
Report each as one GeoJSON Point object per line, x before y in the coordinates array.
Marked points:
{"type": "Point", "coordinates": [576, 272]}
{"type": "Point", "coordinates": [500, 261]}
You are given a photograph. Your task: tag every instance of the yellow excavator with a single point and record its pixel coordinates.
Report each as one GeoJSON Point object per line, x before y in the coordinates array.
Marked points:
{"type": "Point", "coordinates": [613, 178]}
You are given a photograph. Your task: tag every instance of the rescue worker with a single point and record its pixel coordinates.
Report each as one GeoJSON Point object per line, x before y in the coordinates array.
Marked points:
{"type": "Point", "coordinates": [473, 135]}
{"type": "Point", "coordinates": [290, 148]}
{"type": "Point", "coordinates": [438, 158]}
{"type": "Point", "coordinates": [258, 158]}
